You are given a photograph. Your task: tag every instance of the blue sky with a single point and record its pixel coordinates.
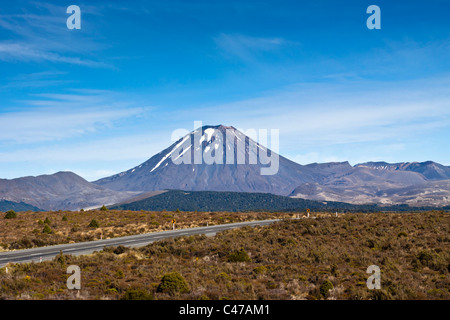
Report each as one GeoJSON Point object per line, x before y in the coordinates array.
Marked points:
{"type": "Point", "coordinates": [105, 98]}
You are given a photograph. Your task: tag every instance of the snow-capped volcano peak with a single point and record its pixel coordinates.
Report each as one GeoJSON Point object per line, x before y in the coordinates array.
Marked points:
{"type": "Point", "coordinates": [207, 156]}
{"type": "Point", "coordinates": [221, 158]}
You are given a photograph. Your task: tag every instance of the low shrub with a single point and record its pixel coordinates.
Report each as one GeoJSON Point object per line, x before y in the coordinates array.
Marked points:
{"type": "Point", "coordinates": [11, 214]}
{"type": "Point", "coordinates": [47, 229]}
{"type": "Point", "coordinates": [94, 224]}
{"type": "Point", "coordinates": [239, 256]}
{"type": "Point", "coordinates": [325, 287]}
{"type": "Point", "coordinates": [137, 294]}
{"type": "Point", "coordinates": [173, 283]}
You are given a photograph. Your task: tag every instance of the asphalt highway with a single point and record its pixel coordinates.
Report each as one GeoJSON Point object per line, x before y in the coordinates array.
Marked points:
{"type": "Point", "coordinates": [48, 253]}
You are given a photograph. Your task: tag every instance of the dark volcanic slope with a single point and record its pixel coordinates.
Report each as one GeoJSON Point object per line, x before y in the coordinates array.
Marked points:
{"type": "Point", "coordinates": [231, 201]}
{"type": "Point", "coordinates": [6, 205]}
{"type": "Point", "coordinates": [62, 190]}
{"type": "Point", "coordinates": [172, 200]}
{"type": "Point", "coordinates": [160, 172]}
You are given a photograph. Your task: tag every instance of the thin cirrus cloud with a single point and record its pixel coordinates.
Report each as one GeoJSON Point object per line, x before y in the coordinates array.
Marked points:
{"type": "Point", "coordinates": [48, 124]}
{"type": "Point", "coordinates": [133, 147]}
{"type": "Point", "coordinates": [61, 116]}
{"type": "Point", "coordinates": [37, 38]}
{"type": "Point", "coordinates": [30, 53]}
{"type": "Point", "coordinates": [326, 114]}
{"type": "Point", "coordinates": [36, 80]}
{"type": "Point", "coordinates": [91, 158]}
{"type": "Point", "coordinates": [247, 47]}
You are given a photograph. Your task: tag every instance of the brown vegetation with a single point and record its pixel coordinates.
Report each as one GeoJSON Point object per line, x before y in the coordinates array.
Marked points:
{"type": "Point", "coordinates": [37, 229]}
{"type": "Point", "coordinates": [325, 258]}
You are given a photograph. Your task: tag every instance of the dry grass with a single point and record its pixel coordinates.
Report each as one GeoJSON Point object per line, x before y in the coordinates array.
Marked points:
{"type": "Point", "coordinates": [26, 231]}
{"type": "Point", "coordinates": [288, 260]}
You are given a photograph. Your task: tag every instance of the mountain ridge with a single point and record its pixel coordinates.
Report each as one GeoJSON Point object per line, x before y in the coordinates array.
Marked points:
{"type": "Point", "coordinates": [413, 183]}
{"type": "Point", "coordinates": [62, 190]}
{"type": "Point", "coordinates": [338, 181]}
{"type": "Point", "coordinates": [6, 205]}
{"type": "Point", "coordinates": [159, 172]}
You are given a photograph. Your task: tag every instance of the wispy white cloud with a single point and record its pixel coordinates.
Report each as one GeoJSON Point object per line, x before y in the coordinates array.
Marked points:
{"type": "Point", "coordinates": [247, 48]}
{"type": "Point", "coordinates": [91, 158]}
{"type": "Point", "coordinates": [59, 116]}
{"type": "Point", "coordinates": [44, 37]}
{"type": "Point", "coordinates": [115, 149]}
{"type": "Point", "coordinates": [327, 115]}
{"type": "Point", "coordinates": [36, 80]}
{"type": "Point", "coordinates": [318, 123]}
{"type": "Point", "coordinates": [31, 53]}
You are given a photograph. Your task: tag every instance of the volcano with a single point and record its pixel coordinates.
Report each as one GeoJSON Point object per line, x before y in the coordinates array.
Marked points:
{"type": "Point", "coordinates": [222, 158]}
{"type": "Point", "coordinates": [213, 158]}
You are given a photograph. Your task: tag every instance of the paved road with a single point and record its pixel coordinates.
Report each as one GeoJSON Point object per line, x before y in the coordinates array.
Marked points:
{"type": "Point", "coordinates": [48, 253]}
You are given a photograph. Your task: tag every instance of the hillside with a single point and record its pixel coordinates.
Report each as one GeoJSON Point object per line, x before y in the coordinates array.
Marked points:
{"type": "Point", "coordinates": [165, 170]}
{"type": "Point", "coordinates": [6, 205]}
{"type": "Point", "coordinates": [62, 190]}
{"type": "Point", "coordinates": [243, 201]}
{"type": "Point", "coordinates": [412, 183]}
{"type": "Point", "coordinates": [231, 201]}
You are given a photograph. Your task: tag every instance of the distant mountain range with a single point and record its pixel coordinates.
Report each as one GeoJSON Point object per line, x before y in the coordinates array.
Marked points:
{"type": "Point", "coordinates": [420, 184]}
{"type": "Point", "coordinates": [415, 184]}
{"type": "Point", "coordinates": [62, 190]}
{"type": "Point", "coordinates": [429, 169]}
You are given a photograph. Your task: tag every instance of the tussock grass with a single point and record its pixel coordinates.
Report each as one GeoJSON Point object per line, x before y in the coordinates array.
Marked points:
{"type": "Point", "coordinates": [324, 258]}
{"type": "Point", "coordinates": [27, 229]}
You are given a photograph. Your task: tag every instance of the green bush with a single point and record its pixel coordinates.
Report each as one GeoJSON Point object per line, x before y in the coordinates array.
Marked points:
{"type": "Point", "coordinates": [61, 259]}
{"type": "Point", "coordinates": [119, 274]}
{"type": "Point", "coordinates": [104, 208]}
{"type": "Point", "coordinates": [223, 276]}
{"type": "Point", "coordinates": [260, 270]}
{"type": "Point", "coordinates": [431, 260]}
{"type": "Point", "coordinates": [11, 214]}
{"type": "Point", "coordinates": [47, 220]}
{"type": "Point", "coordinates": [47, 229]}
{"type": "Point", "coordinates": [137, 294]}
{"type": "Point", "coordinates": [239, 256]}
{"type": "Point", "coordinates": [38, 296]}
{"type": "Point", "coordinates": [120, 249]}
{"type": "Point", "coordinates": [172, 283]}
{"type": "Point", "coordinates": [425, 257]}
{"type": "Point", "coordinates": [325, 288]}
{"type": "Point", "coordinates": [64, 218]}
{"type": "Point", "coordinates": [93, 224]}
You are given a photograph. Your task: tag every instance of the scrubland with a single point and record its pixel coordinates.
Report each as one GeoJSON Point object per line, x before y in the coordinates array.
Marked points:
{"type": "Point", "coordinates": [37, 229]}
{"type": "Point", "coordinates": [323, 258]}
